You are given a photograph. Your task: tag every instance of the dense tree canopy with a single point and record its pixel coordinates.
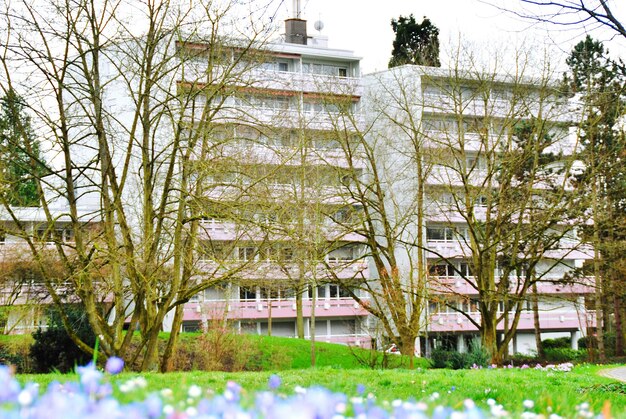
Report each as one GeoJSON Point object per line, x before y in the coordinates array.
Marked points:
{"type": "Point", "coordinates": [19, 153]}
{"type": "Point", "coordinates": [415, 43]}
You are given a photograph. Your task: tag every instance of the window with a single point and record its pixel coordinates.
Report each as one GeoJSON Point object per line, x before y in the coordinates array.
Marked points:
{"type": "Point", "coordinates": [247, 294]}
{"type": "Point", "coordinates": [442, 269]}
{"type": "Point", "coordinates": [325, 69]}
{"type": "Point", "coordinates": [56, 235]}
{"type": "Point", "coordinates": [191, 326]}
{"type": "Point", "coordinates": [475, 163]}
{"type": "Point", "coordinates": [481, 201]}
{"type": "Point", "coordinates": [436, 233]}
{"type": "Point", "coordinates": [269, 294]}
{"type": "Point", "coordinates": [286, 254]}
{"type": "Point", "coordinates": [465, 269]}
{"type": "Point", "coordinates": [275, 66]}
{"type": "Point", "coordinates": [445, 233]}
{"type": "Point", "coordinates": [246, 253]}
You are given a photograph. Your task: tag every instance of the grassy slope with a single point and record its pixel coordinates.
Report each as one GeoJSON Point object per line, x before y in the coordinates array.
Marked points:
{"type": "Point", "coordinates": [557, 391]}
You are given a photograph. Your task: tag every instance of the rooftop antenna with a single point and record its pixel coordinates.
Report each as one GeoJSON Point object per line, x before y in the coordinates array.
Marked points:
{"type": "Point", "coordinates": [296, 9]}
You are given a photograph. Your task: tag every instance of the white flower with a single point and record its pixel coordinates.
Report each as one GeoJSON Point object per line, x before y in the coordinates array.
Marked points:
{"type": "Point", "coordinates": [469, 403]}
{"type": "Point", "coordinates": [194, 391]}
{"type": "Point", "coordinates": [528, 404]}
{"type": "Point", "coordinates": [25, 398]}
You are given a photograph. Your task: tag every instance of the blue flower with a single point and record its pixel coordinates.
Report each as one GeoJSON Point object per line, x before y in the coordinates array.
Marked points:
{"type": "Point", "coordinates": [114, 365]}
{"type": "Point", "coordinates": [274, 382]}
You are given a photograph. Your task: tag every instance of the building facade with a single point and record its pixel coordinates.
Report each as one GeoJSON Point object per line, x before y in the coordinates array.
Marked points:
{"type": "Point", "coordinates": [495, 217]}
{"type": "Point", "coordinates": [276, 219]}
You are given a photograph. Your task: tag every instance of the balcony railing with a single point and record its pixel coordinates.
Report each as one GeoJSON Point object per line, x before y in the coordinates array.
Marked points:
{"type": "Point", "coordinates": [263, 309]}
{"type": "Point", "coordinates": [548, 321]}
{"type": "Point", "coordinates": [548, 285]}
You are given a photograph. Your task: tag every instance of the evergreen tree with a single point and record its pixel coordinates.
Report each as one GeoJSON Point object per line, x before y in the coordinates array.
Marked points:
{"type": "Point", "coordinates": [19, 154]}
{"type": "Point", "coordinates": [415, 43]}
{"type": "Point", "coordinates": [598, 84]}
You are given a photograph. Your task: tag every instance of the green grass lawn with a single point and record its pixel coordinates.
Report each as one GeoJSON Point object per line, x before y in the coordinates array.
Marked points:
{"type": "Point", "coordinates": [552, 392]}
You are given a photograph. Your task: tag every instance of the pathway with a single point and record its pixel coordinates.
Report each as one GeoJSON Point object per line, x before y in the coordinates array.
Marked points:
{"type": "Point", "coordinates": [618, 373]}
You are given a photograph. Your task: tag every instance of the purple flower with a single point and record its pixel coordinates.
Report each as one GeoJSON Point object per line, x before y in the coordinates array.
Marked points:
{"type": "Point", "coordinates": [274, 382]}
{"type": "Point", "coordinates": [114, 365]}
{"type": "Point", "coordinates": [360, 389]}
{"type": "Point", "coordinates": [89, 378]}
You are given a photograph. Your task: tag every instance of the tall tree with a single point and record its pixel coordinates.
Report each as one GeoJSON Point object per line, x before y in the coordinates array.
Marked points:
{"type": "Point", "coordinates": [19, 153]}
{"type": "Point", "coordinates": [415, 43]}
{"type": "Point", "coordinates": [598, 84]}
{"type": "Point", "coordinates": [128, 106]}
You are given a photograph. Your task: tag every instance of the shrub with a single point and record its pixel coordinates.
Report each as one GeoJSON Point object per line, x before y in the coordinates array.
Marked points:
{"type": "Point", "coordinates": [15, 350]}
{"type": "Point", "coordinates": [477, 356]}
{"type": "Point", "coordinates": [591, 342]}
{"type": "Point", "coordinates": [53, 349]}
{"type": "Point", "coordinates": [219, 350]}
{"type": "Point", "coordinates": [519, 359]}
{"type": "Point", "coordinates": [565, 354]}
{"type": "Point", "coordinates": [563, 342]}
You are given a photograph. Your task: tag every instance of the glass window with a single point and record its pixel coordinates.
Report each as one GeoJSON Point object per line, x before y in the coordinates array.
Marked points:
{"type": "Point", "coordinates": [246, 253]}
{"type": "Point", "coordinates": [247, 294]}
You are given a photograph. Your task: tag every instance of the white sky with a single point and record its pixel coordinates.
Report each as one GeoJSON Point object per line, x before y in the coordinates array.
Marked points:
{"type": "Point", "coordinates": [364, 26]}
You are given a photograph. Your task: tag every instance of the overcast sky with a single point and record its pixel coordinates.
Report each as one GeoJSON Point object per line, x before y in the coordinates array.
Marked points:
{"type": "Point", "coordinates": [364, 26]}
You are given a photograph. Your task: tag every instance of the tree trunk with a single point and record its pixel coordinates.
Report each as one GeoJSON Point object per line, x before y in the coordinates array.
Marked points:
{"type": "Point", "coordinates": [312, 326]}
{"type": "Point", "coordinates": [407, 346]}
{"type": "Point", "coordinates": [299, 313]}
{"type": "Point", "coordinates": [168, 355]}
{"type": "Point", "coordinates": [619, 337]}
{"type": "Point", "coordinates": [151, 355]}
{"type": "Point", "coordinates": [537, 324]}
{"type": "Point", "coordinates": [490, 338]}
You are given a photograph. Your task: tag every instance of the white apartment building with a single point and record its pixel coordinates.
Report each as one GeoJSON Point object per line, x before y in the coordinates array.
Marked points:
{"type": "Point", "coordinates": [276, 216]}
{"type": "Point", "coordinates": [448, 130]}
{"type": "Point", "coordinates": [276, 210]}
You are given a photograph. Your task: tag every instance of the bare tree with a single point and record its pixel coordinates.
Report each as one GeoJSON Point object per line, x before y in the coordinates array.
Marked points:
{"type": "Point", "coordinates": [115, 104]}
{"type": "Point", "coordinates": [504, 190]}
{"type": "Point", "coordinates": [586, 14]}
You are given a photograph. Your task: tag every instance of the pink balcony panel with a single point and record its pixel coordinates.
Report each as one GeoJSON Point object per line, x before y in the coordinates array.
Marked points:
{"type": "Point", "coordinates": [552, 320]}
{"type": "Point", "coordinates": [271, 270]}
{"type": "Point", "coordinates": [235, 310]}
{"type": "Point", "coordinates": [460, 286]}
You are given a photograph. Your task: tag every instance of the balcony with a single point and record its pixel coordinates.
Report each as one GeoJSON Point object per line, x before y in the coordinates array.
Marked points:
{"type": "Point", "coordinates": [197, 71]}
{"type": "Point", "coordinates": [221, 230]}
{"type": "Point", "coordinates": [276, 309]}
{"type": "Point", "coordinates": [548, 320]}
{"type": "Point", "coordinates": [461, 286]}
{"type": "Point", "coordinates": [286, 270]}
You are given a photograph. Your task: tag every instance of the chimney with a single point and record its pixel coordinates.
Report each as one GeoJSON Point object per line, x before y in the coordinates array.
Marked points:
{"type": "Point", "coordinates": [295, 31]}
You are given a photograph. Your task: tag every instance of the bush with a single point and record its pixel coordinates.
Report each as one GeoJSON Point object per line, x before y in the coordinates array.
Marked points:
{"type": "Point", "coordinates": [15, 350]}
{"type": "Point", "coordinates": [477, 356]}
{"type": "Point", "coordinates": [53, 349]}
{"type": "Point", "coordinates": [219, 350]}
{"type": "Point", "coordinates": [563, 342]}
{"type": "Point", "coordinates": [519, 359]}
{"type": "Point", "coordinates": [565, 354]}
{"type": "Point", "coordinates": [591, 342]}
